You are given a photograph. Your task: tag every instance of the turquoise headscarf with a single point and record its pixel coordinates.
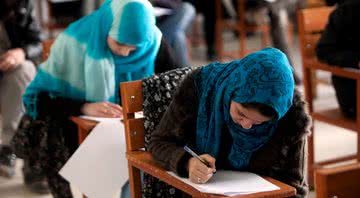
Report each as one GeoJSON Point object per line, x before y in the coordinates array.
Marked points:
{"type": "Point", "coordinates": [82, 66]}
{"type": "Point", "coordinates": [263, 77]}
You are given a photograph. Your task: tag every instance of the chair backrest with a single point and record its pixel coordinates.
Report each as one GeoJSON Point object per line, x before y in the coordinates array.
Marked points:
{"type": "Point", "coordinates": [155, 94]}
{"type": "Point", "coordinates": [312, 22]}
{"type": "Point", "coordinates": [46, 46]}
{"type": "Point", "coordinates": [342, 181]}
{"type": "Point", "coordinates": [132, 102]}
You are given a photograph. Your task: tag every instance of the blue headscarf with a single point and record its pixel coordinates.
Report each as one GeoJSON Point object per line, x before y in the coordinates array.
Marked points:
{"type": "Point", "coordinates": [263, 77]}
{"type": "Point", "coordinates": [81, 65]}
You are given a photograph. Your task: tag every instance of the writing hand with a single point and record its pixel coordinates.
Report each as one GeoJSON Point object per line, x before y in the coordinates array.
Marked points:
{"type": "Point", "coordinates": [198, 172]}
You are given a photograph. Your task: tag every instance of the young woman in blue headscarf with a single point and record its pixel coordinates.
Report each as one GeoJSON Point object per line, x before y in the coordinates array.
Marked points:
{"type": "Point", "coordinates": [119, 42]}
{"type": "Point", "coordinates": [243, 115]}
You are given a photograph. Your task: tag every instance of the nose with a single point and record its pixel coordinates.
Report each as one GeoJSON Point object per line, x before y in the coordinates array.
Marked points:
{"type": "Point", "coordinates": [125, 52]}
{"type": "Point", "coordinates": [246, 124]}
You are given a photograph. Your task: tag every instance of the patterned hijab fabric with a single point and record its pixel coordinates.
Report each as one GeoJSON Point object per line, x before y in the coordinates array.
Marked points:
{"type": "Point", "coordinates": [82, 66]}
{"type": "Point", "coordinates": [263, 77]}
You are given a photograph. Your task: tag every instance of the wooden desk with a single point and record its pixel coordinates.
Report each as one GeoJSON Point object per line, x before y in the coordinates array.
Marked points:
{"type": "Point", "coordinates": [84, 127]}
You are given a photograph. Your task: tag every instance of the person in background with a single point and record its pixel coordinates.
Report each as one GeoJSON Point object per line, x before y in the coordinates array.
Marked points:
{"type": "Point", "coordinates": [243, 115]}
{"type": "Point", "coordinates": [278, 12]}
{"type": "Point", "coordinates": [174, 26]}
{"type": "Point", "coordinates": [20, 46]}
{"type": "Point", "coordinates": [339, 45]}
{"type": "Point", "coordinates": [119, 42]}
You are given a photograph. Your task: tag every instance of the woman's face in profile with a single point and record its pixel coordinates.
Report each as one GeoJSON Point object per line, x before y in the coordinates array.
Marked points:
{"type": "Point", "coordinates": [118, 48]}
{"type": "Point", "coordinates": [246, 117]}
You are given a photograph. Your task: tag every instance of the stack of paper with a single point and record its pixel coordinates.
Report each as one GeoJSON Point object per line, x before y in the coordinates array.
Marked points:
{"type": "Point", "coordinates": [232, 183]}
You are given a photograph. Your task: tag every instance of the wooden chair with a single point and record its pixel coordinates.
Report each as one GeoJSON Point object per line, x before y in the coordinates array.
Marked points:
{"type": "Point", "coordinates": [239, 26]}
{"type": "Point", "coordinates": [342, 181]}
{"type": "Point", "coordinates": [311, 22]}
{"type": "Point", "coordinates": [140, 160]}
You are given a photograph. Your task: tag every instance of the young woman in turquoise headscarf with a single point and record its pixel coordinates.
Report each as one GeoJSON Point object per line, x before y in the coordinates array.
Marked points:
{"type": "Point", "coordinates": [242, 115]}
{"type": "Point", "coordinates": [119, 42]}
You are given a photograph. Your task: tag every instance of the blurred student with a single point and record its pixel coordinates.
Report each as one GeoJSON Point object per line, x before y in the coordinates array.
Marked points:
{"type": "Point", "coordinates": [174, 26]}
{"type": "Point", "coordinates": [20, 47]}
{"type": "Point", "coordinates": [339, 45]}
{"type": "Point", "coordinates": [119, 42]}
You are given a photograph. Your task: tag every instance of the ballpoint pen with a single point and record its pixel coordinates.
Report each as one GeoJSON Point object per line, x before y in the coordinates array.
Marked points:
{"type": "Point", "coordinates": [191, 152]}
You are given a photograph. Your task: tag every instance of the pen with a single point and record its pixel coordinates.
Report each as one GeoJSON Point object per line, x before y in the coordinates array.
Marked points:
{"type": "Point", "coordinates": [187, 149]}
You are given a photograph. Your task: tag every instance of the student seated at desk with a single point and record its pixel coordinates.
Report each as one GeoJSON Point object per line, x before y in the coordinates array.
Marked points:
{"type": "Point", "coordinates": [243, 115]}
{"type": "Point", "coordinates": [119, 42]}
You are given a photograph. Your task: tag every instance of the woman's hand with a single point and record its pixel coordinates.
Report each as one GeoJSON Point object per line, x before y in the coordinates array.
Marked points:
{"type": "Point", "coordinates": [11, 59]}
{"type": "Point", "coordinates": [102, 109]}
{"type": "Point", "coordinates": [199, 173]}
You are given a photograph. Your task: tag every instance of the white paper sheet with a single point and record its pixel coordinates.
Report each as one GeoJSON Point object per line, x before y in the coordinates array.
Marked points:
{"type": "Point", "coordinates": [232, 183]}
{"type": "Point", "coordinates": [98, 168]}
{"type": "Point", "coordinates": [102, 119]}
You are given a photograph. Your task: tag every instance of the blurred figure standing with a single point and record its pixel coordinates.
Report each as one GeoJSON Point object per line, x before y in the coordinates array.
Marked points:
{"type": "Point", "coordinates": [20, 45]}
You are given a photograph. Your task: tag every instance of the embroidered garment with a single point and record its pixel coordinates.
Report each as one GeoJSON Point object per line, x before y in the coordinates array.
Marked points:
{"type": "Point", "coordinates": [81, 65]}
{"type": "Point", "coordinates": [263, 77]}
{"type": "Point", "coordinates": [158, 92]}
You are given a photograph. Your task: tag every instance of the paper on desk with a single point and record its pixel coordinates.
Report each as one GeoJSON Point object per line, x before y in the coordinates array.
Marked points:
{"type": "Point", "coordinates": [232, 183]}
{"type": "Point", "coordinates": [103, 119]}
{"type": "Point", "coordinates": [98, 168]}
{"type": "Point", "coordinates": [100, 119]}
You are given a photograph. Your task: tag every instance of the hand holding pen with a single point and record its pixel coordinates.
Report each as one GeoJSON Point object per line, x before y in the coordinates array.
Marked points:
{"type": "Point", "coordinates": [201, 168]}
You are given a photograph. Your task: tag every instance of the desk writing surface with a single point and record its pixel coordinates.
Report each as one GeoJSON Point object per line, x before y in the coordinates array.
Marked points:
{"type": "Point", "coordinates": [232, 183]}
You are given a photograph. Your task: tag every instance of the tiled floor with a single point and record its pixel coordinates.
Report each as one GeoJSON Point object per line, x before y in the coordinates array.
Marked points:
{"type": "Point", "coordinates": [329, 141]}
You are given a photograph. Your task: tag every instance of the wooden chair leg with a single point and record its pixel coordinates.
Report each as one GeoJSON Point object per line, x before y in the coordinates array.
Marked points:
{"type": "Point", "coordinates": [219, 43]}
{"type": "Point", "coordinates": [242, 40]}
{"type": "Point", "coordinates": [265, 37]}
{"type": "Point", "coordinates": [135, 182]}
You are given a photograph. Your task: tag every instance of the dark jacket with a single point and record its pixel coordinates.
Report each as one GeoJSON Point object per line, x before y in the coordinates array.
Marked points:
{"type": "Point", "coordinates": [53, 137]}
{"type": "Point", "coordinates": [282, 158]}
{"type": "Point", "coordinates": [22, 28]}
{"type": "Point", "coordinates": [339, 45]}
{"type": "Point", "coordinates": [340, 42]}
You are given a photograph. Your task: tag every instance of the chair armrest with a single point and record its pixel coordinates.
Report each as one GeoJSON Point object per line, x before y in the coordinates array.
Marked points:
{"type": "Point", "coordinates": [144, 161]}
{"type": "Point", "coordinates": [315, 64]}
